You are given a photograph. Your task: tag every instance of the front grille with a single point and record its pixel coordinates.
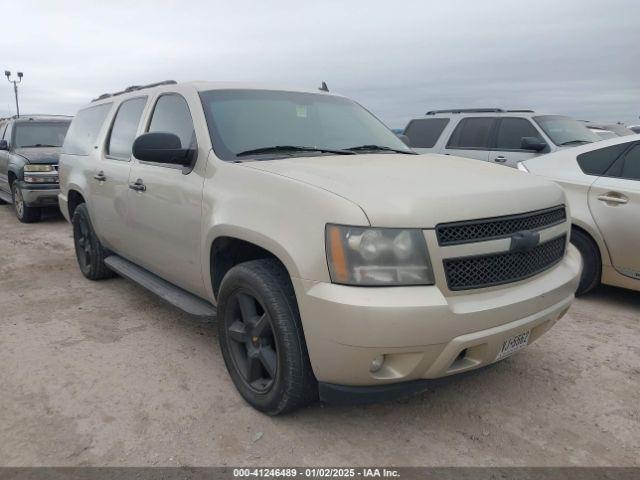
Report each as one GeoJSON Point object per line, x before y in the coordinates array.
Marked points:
{"type": "Point", "coordinates": [498, 227]}
{"type": "Point", "coordinates": [495, 269]}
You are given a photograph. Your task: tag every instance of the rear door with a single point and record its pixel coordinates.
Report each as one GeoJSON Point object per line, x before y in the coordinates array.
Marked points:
{"type": "Point", "coordinates": [165, 217]}
{"type": "Point", "coordinates": [110, 176]}
{"type": "Point", "coordinates": [614, 201]}
{"type": "Point", "coordinates": [508, 140]}
{"type": "Point", "coordinates": [471, 138]}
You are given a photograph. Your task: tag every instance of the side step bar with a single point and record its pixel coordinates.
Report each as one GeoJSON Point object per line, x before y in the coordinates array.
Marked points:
{"type": "Point", "coordinates": [170, 293]}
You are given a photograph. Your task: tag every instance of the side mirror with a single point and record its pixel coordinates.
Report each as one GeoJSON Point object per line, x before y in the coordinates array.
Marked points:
{"type": "Point", "coordinates": [532, 143]}
{"type": "Point", "coordinates": [404, 138]}
{"type": "Point", "coordinates": [4, 145]}
{"type": "Point", "coordinates": [161, 147]}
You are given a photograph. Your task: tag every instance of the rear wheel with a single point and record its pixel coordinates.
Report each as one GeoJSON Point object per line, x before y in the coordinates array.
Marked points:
{"type": "Point", "coordinates": [24, 213]}
{"type": "Point", "coordinates": [89, 251]}
{"type": "Point", "coordinates": [261, 338]}
{"type": "Point", "coordinates": [591, 262]}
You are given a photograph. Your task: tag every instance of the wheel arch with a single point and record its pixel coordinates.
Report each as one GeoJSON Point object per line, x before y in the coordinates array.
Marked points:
{"type": "Point", "coordinates": [595, 237]}
{"type": "Point", "coordinates": [74, 198]}
{"type": "Point", "coordinates": [234, 246]}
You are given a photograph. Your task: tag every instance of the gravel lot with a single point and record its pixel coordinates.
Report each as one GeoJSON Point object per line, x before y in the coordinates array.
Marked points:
{"type": "Point", "coordinates": [107, 374]}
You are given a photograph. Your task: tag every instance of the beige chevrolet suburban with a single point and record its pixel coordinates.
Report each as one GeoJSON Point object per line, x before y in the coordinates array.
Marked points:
{"type": "Point", "coordinates": [340, 265]}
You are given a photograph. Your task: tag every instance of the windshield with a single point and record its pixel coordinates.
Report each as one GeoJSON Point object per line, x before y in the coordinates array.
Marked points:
{"type": "Point", "coordinates": [40, 134]}
{"type": "Point", "coordinates": [266, 124]}
{"type": "Point", "coordinates": [565, 131]}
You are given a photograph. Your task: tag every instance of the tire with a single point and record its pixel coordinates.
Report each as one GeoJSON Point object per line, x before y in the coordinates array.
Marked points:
{"type": "Point", "coordinates": [24, 213]}
{"type": "Point", "coordinates": [261, 338]}
{"type": "Point", "coordinates": [89, 251]}
{"type": "Point", "coordinates": [592, 263]}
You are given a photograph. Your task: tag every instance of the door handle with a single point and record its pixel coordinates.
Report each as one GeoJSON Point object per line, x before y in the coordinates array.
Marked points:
{"type": "Point", "coordinates": [613, 197]}
{"type": "Point", "coordinates": [138, 186]}
{"type": "Point", "coordinates": [100, 176]}
{"type": "Point", "coordinates": [500, 159]}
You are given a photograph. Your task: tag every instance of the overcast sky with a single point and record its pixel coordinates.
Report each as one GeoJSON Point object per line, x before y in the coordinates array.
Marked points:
{"type": "Point", "coordinates": [399, 59]}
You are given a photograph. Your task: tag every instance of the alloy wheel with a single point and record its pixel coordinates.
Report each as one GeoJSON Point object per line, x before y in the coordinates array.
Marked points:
{"type": "Point", "coordinates": [18, 202]}
{"type": "Point", "coordinates": [251, 341]}
{"type": "Point", "coordinates": [83, 244]}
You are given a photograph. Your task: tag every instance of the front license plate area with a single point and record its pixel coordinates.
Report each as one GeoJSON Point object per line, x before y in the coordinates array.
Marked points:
{"type": "Point", "coordinates": [513, 344]}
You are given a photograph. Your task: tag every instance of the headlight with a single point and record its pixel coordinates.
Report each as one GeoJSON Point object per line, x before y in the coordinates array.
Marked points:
{"type": "Point", "coordinates": [522, 168]}
{"type": "Point", "coordinates": [39, 168]}
{"type": "Point", "coordinates": [377, 256]}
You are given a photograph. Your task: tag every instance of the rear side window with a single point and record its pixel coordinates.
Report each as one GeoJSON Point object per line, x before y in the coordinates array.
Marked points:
{"type": "Point", "coordinates": [172, 115]}
{"type": "Point", "coordinates": [597, 162]}
{"type": "Point", "coordinates": [512, 130]}
{"type": "Point", "coordinates": [84, 129]}
{"type": "Point", "coordinates": [125, 127]}
{"type": "Point", "coordinates": [631, 167]}
{"type": "Point", "coordinates": [472, 133]}
{"type": "Point", "coordinates": [424, 133]}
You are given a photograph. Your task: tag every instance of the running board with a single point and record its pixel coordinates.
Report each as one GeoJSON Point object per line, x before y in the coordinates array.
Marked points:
{"type": "Point", "coordinates": [5, 197]}
{"type": "Point", "coordinates": [176, 296]}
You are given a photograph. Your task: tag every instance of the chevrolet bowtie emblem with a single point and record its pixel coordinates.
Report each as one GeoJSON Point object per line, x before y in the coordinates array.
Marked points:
{"type": "Point", "coordinates": [524, 241]}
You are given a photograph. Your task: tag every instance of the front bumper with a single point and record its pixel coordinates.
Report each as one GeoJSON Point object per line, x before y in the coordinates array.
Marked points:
{"type": "Point", "coordinates": [39, 195]}
{"type": "Point", "coordinates": [422, 333]}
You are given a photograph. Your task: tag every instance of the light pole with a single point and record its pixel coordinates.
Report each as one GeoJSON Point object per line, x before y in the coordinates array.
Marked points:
{"type": "Point", "coordinates": [15, 87]}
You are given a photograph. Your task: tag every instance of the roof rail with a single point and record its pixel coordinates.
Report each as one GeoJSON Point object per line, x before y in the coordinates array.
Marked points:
{"type": "Point", "coordinates": [40, 115]}
{"type": "Point", "coordinates": [521, 111]}
{"type": "Point", "coordinates": [466, 110]}
{"type": "Point", "coordinates": [134, 88]}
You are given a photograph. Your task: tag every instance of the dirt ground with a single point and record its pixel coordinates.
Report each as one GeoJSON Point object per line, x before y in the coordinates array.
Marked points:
{"type": "Point", "coordinates": [105, 373]}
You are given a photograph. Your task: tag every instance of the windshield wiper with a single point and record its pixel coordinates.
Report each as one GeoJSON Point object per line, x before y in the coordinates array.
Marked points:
{"type": "Point", "coordinates": [379, 148]}
{"type": "Point", "coordinates": [37, 145]}
{"type": "Point", "coordinates": [291, 148]}
{"type": "Point", "coordinates": [571, 142]}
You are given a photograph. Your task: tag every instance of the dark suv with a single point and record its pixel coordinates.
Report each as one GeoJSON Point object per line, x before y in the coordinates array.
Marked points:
{"type": "Point", "coordinates": [29, 149]}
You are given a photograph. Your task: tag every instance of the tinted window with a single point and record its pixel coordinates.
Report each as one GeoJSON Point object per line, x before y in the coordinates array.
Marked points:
{"type": "Point", "coordinates": [171, 114]}
{"type": "Point", "coordinates": [244, 120]}
{"type": "Point", "coordinates": [84, 129]}
{"type": "Point", "coordinates": [125, 127]}
{"type": "Point", "coordinates": [598, 161]}
{"type": "Point", "coordinates": [511, 131]}
{"type": "Point", "coordinates": [472, 133]}
{"type": "Point", "coordinates": [39, 134]}
{"type": "Point", "coordinates": [631, 168]}
{"type": "Point", "coordinates": [424, 133]}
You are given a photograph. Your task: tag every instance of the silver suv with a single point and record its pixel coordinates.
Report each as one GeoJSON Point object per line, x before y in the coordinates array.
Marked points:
{"type": "Point", "coordinates": [504, 137]}
{"type": "Point", "coordinates": [339, 263]}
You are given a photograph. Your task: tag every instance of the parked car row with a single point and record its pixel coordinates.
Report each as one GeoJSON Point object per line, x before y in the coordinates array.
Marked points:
{"type": "Point", "coordinates": [340, 264]}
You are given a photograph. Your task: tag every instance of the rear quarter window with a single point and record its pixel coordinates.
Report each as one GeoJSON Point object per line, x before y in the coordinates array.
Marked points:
{"type": "Point", "coordinates": [597, 162]}
{"type": "Point", "coordinates": [424, 133]}
{"type": "Point", "coordinates": [85, 127]}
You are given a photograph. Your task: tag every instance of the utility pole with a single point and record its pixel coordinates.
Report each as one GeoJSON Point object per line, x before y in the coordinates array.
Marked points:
{"type": "Point", "coordinates": [15, 87]}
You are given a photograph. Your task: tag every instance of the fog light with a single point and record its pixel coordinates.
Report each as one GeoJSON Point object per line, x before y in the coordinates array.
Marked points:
{"type": "Point", "coordinates": [376, 364]}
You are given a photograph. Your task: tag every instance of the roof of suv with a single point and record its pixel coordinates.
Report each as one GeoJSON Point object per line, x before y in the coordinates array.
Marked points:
{"type": "Point", "coordinates": [42, 118]}
{"type": "Point", "coordinates": [199, 86]}
{"type": "Point", "coordinates": [475, 112]}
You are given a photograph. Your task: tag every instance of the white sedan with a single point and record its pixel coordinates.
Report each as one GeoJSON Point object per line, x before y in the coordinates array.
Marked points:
{"type": "Point", "coordinates": [602, 182]}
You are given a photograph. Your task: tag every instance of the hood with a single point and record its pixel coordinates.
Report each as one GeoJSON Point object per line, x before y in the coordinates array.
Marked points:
{"type": "Point", "coordinates": [43, 155]}
{"type": "Point", "coordinates": [396, 190]}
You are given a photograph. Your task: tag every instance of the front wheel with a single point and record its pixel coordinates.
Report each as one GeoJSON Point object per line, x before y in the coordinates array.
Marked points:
{"type": "Point", "coordinates": [261, 338]}
{"type": "Point", "coordinates": [24, 213]}
{"type": "Point", "coordinates": [89, 251]}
